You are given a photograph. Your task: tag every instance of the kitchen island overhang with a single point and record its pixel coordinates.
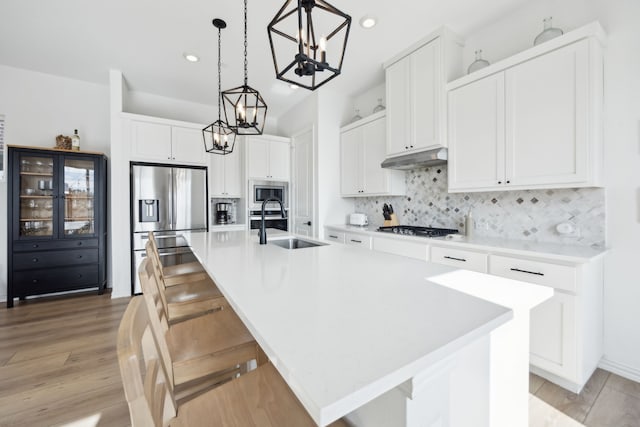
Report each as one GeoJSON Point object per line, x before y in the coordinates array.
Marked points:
{"type": "Point", "coordinates": [342, 325]}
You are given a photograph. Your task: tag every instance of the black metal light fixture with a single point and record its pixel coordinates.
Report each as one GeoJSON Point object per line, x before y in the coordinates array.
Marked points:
{"type": "Point", "coordinates": [319, 42]}
{"type": "Point", "coordinates": [247, 110]}
{"type": "Point", "coordinates": [218, 137]}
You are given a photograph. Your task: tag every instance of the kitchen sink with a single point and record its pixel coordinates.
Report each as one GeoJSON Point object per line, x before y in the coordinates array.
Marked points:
{"type": "Point", "coordinates": [295, 243]}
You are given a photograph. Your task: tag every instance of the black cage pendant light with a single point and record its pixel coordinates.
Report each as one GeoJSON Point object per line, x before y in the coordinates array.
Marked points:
{"type": "Point", "coordinates": [244, 108]}
{"type": "Point", "coordinates": [308, 39]}
{"type": "Point", "coordinates": [219, 138]}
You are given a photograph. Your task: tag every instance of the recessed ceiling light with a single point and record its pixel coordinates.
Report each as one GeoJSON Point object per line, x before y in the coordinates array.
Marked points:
{"type": "Point", "coordinates": [191, 57]}
{"type": "Point", "coordinates": [368, 21]}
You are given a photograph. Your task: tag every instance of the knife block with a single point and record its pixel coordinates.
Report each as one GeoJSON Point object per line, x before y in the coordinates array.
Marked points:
{"type": "Point", "coordinates": [391, 222]}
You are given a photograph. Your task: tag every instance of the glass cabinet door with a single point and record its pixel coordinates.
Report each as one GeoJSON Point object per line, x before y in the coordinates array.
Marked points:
{"type": "Point", "coordinates": [37, 188]}
{"type": "Point", "coordinates": [79, 188]}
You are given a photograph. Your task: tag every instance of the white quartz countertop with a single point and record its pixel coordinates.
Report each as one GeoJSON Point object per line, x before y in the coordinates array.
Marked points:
{"type": "Point", "coordinates": [343, 325]}
{"type": "Point", "coordinates": [552, 251]}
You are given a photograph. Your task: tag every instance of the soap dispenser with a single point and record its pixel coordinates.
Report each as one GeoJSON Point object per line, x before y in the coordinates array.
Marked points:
{"type": "Point", "coordinates": [468, 224]}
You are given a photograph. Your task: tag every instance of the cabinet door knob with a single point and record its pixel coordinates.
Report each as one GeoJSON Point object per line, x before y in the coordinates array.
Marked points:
{"type": "Point", "coordinates": [79, 243]}
{"type": "Point", "coordinates": [79, 276]}
{"type": "Point", "coordinates": [411, 146]}
{"type": "Point", "coordinates": [36, 246]}
{"type": "Point", "coordinates": [34, 281]}
{"type": "Point", "coordinates": [499, 182]}
{"type": "Point", "coordinates": [308, 223]}
{"type": "Point", "coordinates": [406, 147]}
{"type": "Point", "coordinates": [508, 182]}
{"type": "Point", "coordinates": [79, 256]}
{"type": "Point", "coordinates": [35, 260]}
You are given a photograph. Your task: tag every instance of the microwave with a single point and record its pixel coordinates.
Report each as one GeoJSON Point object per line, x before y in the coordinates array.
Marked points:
{"type": "Point", "coordinates": [259, 191]}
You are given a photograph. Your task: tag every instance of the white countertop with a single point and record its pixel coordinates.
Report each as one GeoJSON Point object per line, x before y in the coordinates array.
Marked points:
{"type": "Point", "coordinates": [552, 251]}
{"type": "Point", "coordinates": [343, 325]}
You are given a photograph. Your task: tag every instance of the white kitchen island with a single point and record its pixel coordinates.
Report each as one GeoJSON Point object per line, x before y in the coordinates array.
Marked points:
{"type": "Point", "coordinates": [361, 333]}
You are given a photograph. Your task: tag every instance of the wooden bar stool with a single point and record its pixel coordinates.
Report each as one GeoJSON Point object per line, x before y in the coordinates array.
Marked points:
{"type": "Point", "coordinates": [260, 398]}
{"type": "Point", "coordinates": [200, 347]}
{"type": "Point", "coordinates": [185, 300]}
{"type": "Point", "coordinates": [179, 273]}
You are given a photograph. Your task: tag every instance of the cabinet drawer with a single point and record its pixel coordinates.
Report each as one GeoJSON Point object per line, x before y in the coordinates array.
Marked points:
{"type": "Point", "coordinates": [469, 260]}
{"type": "Point", "coordinates": [46, 245]}
{"type": "Point", "coordinates": [335, 236]}
{"type": "Point", "coordinates": [542, 273]}
{"type": "Point", "coordinates": [358, 240]}
{"type": "Point", "coordinates": [54, 279]}
{"type": "Point", "coordinates": [397, 247]}
{"type": "Point", "coordinates": [44, 259]}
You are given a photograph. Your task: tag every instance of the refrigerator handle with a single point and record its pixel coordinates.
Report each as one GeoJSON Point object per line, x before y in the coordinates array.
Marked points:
{"type": "Point", "coordinates": [174, 191]}
{"type": "Point", "coordinates": [171, 199]}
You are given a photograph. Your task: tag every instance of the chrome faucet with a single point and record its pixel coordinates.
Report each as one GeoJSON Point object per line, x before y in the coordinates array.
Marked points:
{"type": "Point", "coordinates": [263, 230]}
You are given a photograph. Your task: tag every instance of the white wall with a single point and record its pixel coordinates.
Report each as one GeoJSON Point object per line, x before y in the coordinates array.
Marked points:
{"type": "Point", "coordinates": [37, 108]}
{"type": "Point", "coordinates": [622, 147]}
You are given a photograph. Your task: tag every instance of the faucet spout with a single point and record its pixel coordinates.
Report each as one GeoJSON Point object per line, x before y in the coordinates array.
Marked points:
{"type": "Point", "coordinates": [263, 229]}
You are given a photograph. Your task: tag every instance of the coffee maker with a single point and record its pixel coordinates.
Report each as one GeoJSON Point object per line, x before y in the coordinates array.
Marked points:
{"type": "Point", "coordinates": [223, 215]}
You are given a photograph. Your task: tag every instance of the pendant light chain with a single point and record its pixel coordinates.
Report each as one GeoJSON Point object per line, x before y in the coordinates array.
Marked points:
{"type": "Point", "coordinates": [219, 73]}
{"type": "Point", "coordinates": [246, 73]}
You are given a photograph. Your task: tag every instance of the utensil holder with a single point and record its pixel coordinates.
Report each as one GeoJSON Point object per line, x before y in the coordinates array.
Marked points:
{"type": "Point", "coordinates": [391, 222]}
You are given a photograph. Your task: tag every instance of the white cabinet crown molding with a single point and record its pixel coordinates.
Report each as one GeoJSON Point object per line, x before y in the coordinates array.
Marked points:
{"type": "Point", "coordinates": [440, 32]}
{"type": "Point", "coordinates": [593, 29]}
{"type": "Point", "coordinates": [160, 120]}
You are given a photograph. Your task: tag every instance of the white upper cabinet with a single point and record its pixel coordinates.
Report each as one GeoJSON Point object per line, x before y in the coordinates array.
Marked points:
{"type": "Point", "coordinates": [478, 145]}
{"type": "Point", "coordinates": [415, 92]}
{"type": "Point", "coordinates": [268, 157]}
{"type": "Point", "coordinates": [225, 174]}
{"type": "Point", "coordinates": [531, 121]}
{"type": "Point", "coordinates": [187, 145]}
{"type": "Point", "coordinates": [153, 140]}
{"type": "Point", "coordinates": [362, 149]}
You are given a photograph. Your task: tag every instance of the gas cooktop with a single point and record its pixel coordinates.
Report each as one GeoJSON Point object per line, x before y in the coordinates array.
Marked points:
{"type": "Point", "coordinates": [410, 230]}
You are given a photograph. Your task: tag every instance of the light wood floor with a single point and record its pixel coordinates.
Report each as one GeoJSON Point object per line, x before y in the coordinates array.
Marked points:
{"type": "Point", "coordinates": [58, 362]}
{"type": "Point", "coordinates": [58, 366]}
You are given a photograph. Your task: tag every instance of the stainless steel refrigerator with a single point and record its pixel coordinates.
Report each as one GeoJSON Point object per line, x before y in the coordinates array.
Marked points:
{"type": "Point", "coordinates": [166, 200]}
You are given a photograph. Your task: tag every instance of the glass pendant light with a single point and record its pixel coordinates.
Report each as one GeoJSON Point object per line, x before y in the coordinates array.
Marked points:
{"type": "Point", "coordinates": [308, 39]}
{"type": "Point", "coordinates": [478, 64]}
{"type": "Point", "coordinates": [218, 137]}
{"type": "Point", "coordinates": [548, 33]}
{"type": "Point", "coordinates": [244, 108]}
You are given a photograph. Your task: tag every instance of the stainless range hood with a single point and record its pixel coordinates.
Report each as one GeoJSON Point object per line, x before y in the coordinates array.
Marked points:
{"type": "Point", "coordinates": [416, 160]}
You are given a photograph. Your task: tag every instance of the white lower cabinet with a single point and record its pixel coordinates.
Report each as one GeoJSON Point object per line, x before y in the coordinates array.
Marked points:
{"type": "Point", "coordinates": [552, 335]}
{"type": "Point", "coordinates": [469, 260]}
{"type": "Point", "coordinates": [566, 340]}
{"type": "Point", "coordinates": [334, 236]}
{"type": "Point", "coordinates": [398, 247]}
{"type": "Point", "coordinates": [355, 239]}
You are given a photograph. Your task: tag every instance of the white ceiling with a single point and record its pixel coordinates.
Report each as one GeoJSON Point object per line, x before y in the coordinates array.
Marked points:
{"type": "Point", "coordinates": [145, 39]}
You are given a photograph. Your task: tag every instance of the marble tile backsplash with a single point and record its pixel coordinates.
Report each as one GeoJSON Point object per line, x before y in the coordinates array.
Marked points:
{"type": "Point", "coordinates": [523, 215]}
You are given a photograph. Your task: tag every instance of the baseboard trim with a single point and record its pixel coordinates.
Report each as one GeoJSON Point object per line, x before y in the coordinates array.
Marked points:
{"type": "Point", "coordinates": [557, 380]}
{"type": "Point", "coordinates": [628, 372]}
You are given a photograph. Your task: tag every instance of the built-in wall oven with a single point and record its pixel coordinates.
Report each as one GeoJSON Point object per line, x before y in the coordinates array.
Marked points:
{"type": "Point", "coordinates": [259, 191]}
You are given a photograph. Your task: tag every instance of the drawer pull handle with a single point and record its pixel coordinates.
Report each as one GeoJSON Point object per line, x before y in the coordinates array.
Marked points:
{"type": "Point", "coordinates": [356, 241]}
{"type": "Point", "coordinates": [454, 258]}
{"type": "Point", "coordinates": [332, 236]}
{"type": "Point", "coordinates": [36, 246]}
{"type": "Point", "coordinates": [528, 272]}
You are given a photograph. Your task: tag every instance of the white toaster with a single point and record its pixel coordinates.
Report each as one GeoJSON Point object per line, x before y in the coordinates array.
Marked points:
{"type": "Point", "coordinates": [358, 219]}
